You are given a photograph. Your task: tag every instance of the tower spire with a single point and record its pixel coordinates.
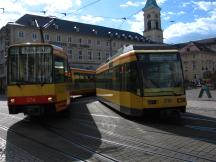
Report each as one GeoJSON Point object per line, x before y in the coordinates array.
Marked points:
{"type": "Point", "coordinates": [151, 4]}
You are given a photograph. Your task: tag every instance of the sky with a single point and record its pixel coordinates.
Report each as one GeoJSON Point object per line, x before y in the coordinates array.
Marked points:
{"type": "Point", "coordinates": [182, 20]}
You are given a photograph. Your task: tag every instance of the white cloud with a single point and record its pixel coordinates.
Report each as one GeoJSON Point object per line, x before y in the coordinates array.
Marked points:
{"type": "Point", "coordinates": [91, 19]}
{"type": "Point", "coordinates": [186, 4]}
{"type": "Point", "coordinates": [137, 25]}
{"type": "Point", "coordinates": [15, 9]}
{"type": "Point", "coordinates": [78, 2]}
{"type": "Point", "coordinates": [132, 4]}
{"type": "Point", "coordinates": [139, 4]}
{"type": "Point", "coordinates": [205, 6]}
{"type": "Point", "coordinates": [169, 15]}
{"type": "Point", "coordinates": [9, 6]}
{"type": "Point", "coordinates": [201, 26]}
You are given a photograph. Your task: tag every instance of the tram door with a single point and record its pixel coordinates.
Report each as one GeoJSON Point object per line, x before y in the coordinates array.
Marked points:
{"type": "Point", "coordinates": [130, 86]}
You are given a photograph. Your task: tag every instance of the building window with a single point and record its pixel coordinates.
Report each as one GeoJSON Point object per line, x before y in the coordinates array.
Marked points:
{"type": "Point", "coordinates": [69, 39]}
{"type": "Point", "coordinates": [99, 56]}
{"type": "Point", "coordinates": [98, 42]}
{"type": "Point", "coordinates": [47, 38]}
{"type": "Point", "coordinates": [70, 51]}
{"type": "Point", "coordinates": [149, 25]}
{"type": "Point", "coordinates": [21, 34]}
{"type": "Point", "coordinates": [80, 40]}
{"type": "Point", "coordinates": [108, 43]}
{"type": "Point", "coordinates": [194, 65]}
{"type": "Point", "coordinates": [80, 55]}
{"type": "Point", "coordinates": [34, 36]}
{"type": "Point", "coordinates": [89, 55]}
{"type": "Point", "coordinates": [89, 41]}
{"type": "Point", "coordinates": [114, 44]}
{"type": "Point", "coordinates": [107, 55]}
{"type": "Point", "coordinates": [58, 38]}
{"type": "Point", "coordinates": [156, 25]}
{"type": "Point", "coordinates": [194, 56]}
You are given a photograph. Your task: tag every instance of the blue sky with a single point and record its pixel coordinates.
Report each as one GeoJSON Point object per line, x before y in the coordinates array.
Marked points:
{"type": "Point", "coordinates": [182, 20]}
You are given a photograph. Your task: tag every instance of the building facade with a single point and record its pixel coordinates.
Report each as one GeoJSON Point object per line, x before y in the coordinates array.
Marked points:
{"type": "Point", "coordinates": [199, 59]}
{"type": "Point", "coordinates": [87, 45]}
{"type": "Point", "coordinates": [152, 22]}
{"type": "Point", "coordinates": [3, 43]}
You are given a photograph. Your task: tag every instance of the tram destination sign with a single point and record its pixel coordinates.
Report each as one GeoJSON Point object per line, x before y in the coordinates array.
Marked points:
{"type": "Point", "coordinates": [158, 57]}
{"type": "Point", "coordinates": [162, 57]}
{"type": "Point", "coordinates": [35, 49]}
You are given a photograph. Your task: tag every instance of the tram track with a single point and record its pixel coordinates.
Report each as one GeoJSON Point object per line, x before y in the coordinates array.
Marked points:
{"type": "Point", "coordinates": [136, 145]}
{"type": "Point", "coordinates": [143, 147]}
{"type": "Point", "coordinates": [69, 156]}
{"type": "Point", "coordinates": [98, 156]}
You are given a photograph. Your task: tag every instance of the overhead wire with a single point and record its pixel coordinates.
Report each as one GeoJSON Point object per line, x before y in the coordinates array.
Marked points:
{"type": "Point", "coordinates": [85, 6]}
{"type": "Point", "coordinates": [127, 18]}
{"type": "Point", "coordinates": [124, 19]}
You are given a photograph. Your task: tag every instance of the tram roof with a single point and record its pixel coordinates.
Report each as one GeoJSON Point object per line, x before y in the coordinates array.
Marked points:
{"type": "Point", "coordinates": [139, 47]}
{"type": "Point", "coordinates": [37, 44]}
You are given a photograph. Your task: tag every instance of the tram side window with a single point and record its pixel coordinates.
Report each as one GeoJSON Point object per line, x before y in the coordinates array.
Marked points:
{"type": "Point", "coordinates": [135, 81]}
{"type": "Point", "coordinates": [109, 79]}
{"type": "Point", "coordinates": [76, 80]}
{"type": "Point", "coordinates": [116, 80]}
{"type": "Point", "coordinates": [126, 82]}
{"type": "Point", "coordinates": [59, 70]}
{"type": "Point", "coordinates": [130, 80]}
{"type": "Point", "coordinates": [99, 82]}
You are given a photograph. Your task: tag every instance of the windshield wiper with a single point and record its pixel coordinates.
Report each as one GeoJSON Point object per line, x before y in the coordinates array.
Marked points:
{"type": "Point", "coordinates": [174, 93]}
{"type": "Point", "coordinates": [42, 83]}
{"type": "Point", "coordinates": [18, 85]}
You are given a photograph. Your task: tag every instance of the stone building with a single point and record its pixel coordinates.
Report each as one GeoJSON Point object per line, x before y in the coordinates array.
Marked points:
{"type": "Point", "coordinates": [3, 44]}
{"type": "Point", "coordinates": [198, 58]}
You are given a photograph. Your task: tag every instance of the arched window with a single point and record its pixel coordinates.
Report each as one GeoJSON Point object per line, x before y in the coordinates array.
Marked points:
{"type": "Point", "coordinates": [156, 25]}
{"type": "Point", "coordinates": [149, 25]}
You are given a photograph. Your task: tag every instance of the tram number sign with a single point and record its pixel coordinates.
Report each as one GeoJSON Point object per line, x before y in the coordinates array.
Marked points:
{"type": "Point", "coordinates": [30, 100]}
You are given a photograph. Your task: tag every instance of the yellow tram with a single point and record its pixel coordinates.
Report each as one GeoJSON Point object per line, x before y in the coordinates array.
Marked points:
{"type": "Point", "coordinates": [83, 82]}
{"type": "Point", "coordinates": [37, 79]}
{"type": "Point", "coordinates": [141, 78]}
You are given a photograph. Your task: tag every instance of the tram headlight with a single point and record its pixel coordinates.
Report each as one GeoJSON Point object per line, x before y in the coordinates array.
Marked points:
{"type": "Point", "coordinates": [12, 100]}
{"type": "Point", "coordinates": [50, 99]}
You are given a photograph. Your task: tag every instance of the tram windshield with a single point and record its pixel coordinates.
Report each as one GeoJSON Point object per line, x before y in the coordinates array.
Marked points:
{"type": "Point", "coordinates": [161, 73]}
{"type": "Point", "coordinates": [30, 65]}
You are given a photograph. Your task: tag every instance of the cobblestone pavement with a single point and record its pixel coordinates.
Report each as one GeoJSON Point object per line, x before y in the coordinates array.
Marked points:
{"type": "Point", "coordinates": [93, 132]}
{"type": "Point", "coordinates": [14, 153]}
{"type": "Point", "coordinates": [205, 106]}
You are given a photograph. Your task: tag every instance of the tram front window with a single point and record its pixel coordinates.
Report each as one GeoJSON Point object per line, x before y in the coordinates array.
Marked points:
{"type": "Point", "coordinates": [161, 73]}
{"type": "Point", "coordinates": [30, 65]}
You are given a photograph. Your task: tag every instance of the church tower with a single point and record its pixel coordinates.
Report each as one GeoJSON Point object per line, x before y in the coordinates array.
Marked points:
{"type": "Point", "coordinates": [152, 22]}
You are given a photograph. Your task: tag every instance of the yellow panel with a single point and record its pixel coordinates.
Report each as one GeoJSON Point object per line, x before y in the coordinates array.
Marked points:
{"type": "Point", "coordinates": [31, 90]}
{"type": "Point", "coordinates": [131, 100]}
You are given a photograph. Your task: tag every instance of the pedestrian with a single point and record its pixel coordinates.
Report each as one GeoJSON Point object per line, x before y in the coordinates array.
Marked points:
{"type": "Point", "coordinates": [206, 89]}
